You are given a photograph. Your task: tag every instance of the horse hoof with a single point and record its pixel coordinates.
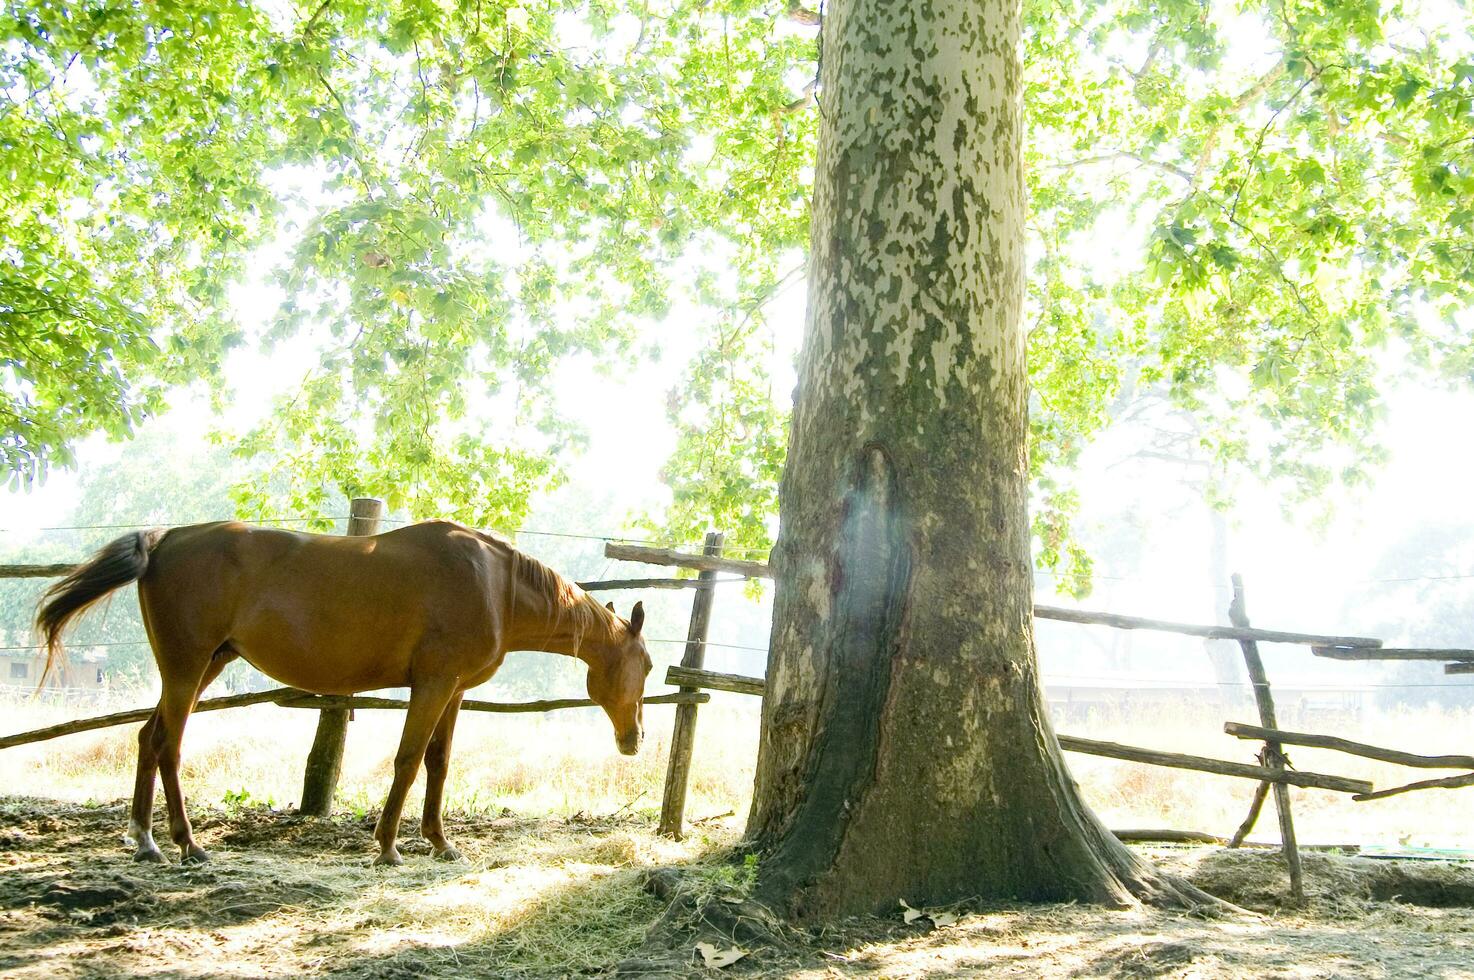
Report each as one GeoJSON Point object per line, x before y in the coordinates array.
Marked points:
{"type": "Point", "coordinates": [449, 854]}
{"type": "Point", "coordinates": [388, 859]}
{"type": "Point", "coordinates": [195, 854]}
{"type": "Point", "coordinates": [150, 855]}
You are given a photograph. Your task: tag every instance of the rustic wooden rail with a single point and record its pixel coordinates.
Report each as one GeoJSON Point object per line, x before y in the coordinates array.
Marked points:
{"type": "Point", "coordinates": [291, 697]}
{"type": "Point", "coordinates": [1349, 747]}
{"type": "Point", "coordinates": [715, 681]}
{"type": "Point", "coordinates": [54, 570]}
{"type": "Point", "coordinates": [757, 569]}
{"type": "Point", "coordinates": [1243, 770]}
{"type": "Point", "coordinates": [690, 677]}
{"type": "Point", "coordinates": [681, 559]}
{"type": "Point", "coordinates": [1447, 782]}
{"type": "Point", "coordinates": [303, 699]}
{"type": "Point", "coordinates": [1390, 653]}
{"type": "Point", "coordinates": [654, 583]}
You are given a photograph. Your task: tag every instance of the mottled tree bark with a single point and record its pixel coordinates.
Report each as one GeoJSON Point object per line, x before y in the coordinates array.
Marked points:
{"type": "Point", "coordinates": [905, 750]}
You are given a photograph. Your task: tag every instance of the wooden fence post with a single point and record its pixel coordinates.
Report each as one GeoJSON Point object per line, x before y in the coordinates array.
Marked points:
{"type": "Point", "coordinates": [1273, 756]}
{"type": "Point", "coordinates": [683, 736]}
{"type": "Point", "coordinates": [325, 760]}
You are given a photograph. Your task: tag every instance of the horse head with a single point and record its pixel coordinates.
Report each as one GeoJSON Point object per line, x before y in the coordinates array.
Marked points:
{"type": "Point", "coordinates": [616, 679]}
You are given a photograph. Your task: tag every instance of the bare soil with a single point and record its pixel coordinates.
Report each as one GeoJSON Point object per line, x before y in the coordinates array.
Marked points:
{"type": "Point", "coordinates": [287, 896]}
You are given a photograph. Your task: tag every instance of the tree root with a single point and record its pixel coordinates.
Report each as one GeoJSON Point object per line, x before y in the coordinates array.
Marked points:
{"type": "Point", "coordinates": [699, 912]}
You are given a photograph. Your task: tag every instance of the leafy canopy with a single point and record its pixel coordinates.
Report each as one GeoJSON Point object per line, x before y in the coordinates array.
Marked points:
{"type": "Point", "coordinates": [1242, 211]}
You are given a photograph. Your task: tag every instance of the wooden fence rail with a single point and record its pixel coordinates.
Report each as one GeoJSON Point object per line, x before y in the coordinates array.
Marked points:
{"type": "Point", "coordinates": [54, 570]}
{"type": "Point", "coordinates": [1390, 653]}
{"type": "Point", "coordinates": [689, 677]}
{"type": "Point", "coordinates": [1350, 747]}
{"type": "Point", "coordinates": [757, 569]}
{"type": "Point", "coordinates": [291, 697]}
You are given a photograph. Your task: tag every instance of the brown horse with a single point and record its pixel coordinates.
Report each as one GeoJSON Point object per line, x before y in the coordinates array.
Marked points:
{"type": "Point", "coordinates": [434, 607]}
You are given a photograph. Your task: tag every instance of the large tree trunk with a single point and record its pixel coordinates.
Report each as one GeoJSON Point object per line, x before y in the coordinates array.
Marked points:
{"type": "Point", "coordinates": [905, 750]}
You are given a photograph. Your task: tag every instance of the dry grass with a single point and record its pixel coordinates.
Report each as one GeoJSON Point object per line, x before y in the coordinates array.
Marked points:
{"type": "Point", "coordinates": [564, 763]}
{"type": "Point", "coordinates": [1130, 795]}
{"type": "Point", "coordinates": [561, 763]}
{"type": "Point", "coordinates": [292, 896]}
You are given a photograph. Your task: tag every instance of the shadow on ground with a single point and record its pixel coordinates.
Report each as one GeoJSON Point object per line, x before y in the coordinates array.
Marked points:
{"type": "Point", "coordinates": [293, 897]}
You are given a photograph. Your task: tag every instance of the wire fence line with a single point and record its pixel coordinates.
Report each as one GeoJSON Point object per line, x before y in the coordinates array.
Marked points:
{"type": "Point", "coordinates": [761, 553]}
{"type": "Point", "coordinates": [530, 531]}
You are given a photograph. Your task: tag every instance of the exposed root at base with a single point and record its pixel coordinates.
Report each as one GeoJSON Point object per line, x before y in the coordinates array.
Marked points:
{"type": "Point", "coordinates": [699, 913]}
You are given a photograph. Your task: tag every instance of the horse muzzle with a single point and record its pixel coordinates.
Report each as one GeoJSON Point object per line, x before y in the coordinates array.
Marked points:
{"type": "Point", "coordinates": [630, 745]}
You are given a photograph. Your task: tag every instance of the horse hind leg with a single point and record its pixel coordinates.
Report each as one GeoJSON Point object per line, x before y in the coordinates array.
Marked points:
{"type": "Point", "coordinates": [158, 754]}
{"type": "Point", "coordinates": [141, 816]}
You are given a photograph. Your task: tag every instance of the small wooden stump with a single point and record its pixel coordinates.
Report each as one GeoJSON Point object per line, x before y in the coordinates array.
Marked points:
{"type": "Point", "coordinates": [325, 759]}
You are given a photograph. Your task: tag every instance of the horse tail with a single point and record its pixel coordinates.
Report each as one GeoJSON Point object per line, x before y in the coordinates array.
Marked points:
{"type": "Point", "coordinates": [116, 564]}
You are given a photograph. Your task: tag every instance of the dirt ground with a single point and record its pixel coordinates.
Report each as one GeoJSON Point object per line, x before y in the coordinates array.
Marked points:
{"type": "Point", "coordinates": [558, 897]}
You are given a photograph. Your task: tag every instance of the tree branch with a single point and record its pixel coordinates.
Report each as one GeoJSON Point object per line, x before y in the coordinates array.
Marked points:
{"type": "Point", "coordinates": [800, 14]}
{"type": "Point", "coordinates": [1125, 155]}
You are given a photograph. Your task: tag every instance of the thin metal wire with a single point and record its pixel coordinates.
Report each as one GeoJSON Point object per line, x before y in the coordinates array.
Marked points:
{"type": "Point", "coordinates": [725, 646]}
{"type": "Point", "coordinates": [579, 536]}
{"type": "Point", "coordinates": [85, 643]}
{"type": "Point", "coordinates": [208, 520]}
{"type": "Point", "coordinates": [1045, 676]}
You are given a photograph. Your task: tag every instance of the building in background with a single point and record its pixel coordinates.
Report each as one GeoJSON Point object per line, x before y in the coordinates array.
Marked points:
{"type": "Point", "coordinates": [82, 671]}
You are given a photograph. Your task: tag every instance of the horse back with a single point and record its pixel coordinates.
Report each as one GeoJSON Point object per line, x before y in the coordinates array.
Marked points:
{"type": "Point", "coordinates": [362, 607]}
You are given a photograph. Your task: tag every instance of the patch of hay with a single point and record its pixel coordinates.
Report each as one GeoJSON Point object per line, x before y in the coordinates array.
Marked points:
{"type": "Point", "coordinates": [1147, 960]}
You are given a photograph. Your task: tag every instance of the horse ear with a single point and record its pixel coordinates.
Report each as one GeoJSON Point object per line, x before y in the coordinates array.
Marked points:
{"type": "Point", "coordinates": [609, 606]}
{"type": "Point", "coordinates": [637, 617]}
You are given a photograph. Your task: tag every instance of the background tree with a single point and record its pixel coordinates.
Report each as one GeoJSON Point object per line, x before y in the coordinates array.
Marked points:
{"type": "Point", "coordinates": [471, 192]}
{"type": "Point", "coordinates": [153, 480]}
{"type": "Point", "coordinates": [905, 749]}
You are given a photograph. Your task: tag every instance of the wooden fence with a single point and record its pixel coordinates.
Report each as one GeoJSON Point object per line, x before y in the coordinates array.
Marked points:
{"type": "Point", "coordinates": [325, 758]}
{"type": "Point", "coordinates": [692, 680]}
{"type": "Point", "coordinates": [1273, 772]}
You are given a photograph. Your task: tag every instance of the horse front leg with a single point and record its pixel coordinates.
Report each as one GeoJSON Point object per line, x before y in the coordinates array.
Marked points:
{"type": "Point", "coordinates": [437, 762]}
{"type": "Point", "coordinates": [427, 705]}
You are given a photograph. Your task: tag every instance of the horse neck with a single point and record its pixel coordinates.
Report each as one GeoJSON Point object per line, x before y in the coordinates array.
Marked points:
{"type": "Point", "coordinates": [554, 621]}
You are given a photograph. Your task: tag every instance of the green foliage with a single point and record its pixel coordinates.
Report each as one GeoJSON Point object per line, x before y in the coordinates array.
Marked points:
{"type": "Point", "coordinates": [1298, 170]}
{"type": "Point", "coordinates": [1299, 178]}
{"type": "Point", "coordinates": [132, 145]}
{"type": "Point", "coordinates": [477, 191]}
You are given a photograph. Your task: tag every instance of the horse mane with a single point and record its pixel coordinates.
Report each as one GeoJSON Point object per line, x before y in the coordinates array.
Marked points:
{"type": "Point", "coordinates": [566, 597]}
